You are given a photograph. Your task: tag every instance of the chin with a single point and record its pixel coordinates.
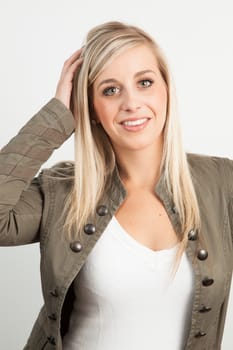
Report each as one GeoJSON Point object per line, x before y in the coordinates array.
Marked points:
{"type": "Point", "coordinates": [140, 146]}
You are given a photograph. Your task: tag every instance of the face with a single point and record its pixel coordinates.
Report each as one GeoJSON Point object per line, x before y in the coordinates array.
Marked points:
{"type": "Point", "coordinates": [130, 100]}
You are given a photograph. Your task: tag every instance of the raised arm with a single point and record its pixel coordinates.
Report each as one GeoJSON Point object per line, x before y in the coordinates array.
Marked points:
{"type": "Point", "coordinates": [21, 198]}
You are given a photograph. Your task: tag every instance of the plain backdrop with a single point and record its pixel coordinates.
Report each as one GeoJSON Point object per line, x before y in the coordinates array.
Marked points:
{"type": "Point", "coordinates": [37, 36]}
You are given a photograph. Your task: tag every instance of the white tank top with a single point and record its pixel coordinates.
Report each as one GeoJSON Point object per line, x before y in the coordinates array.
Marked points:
{"type": "Point", "coordinates": [126, 298]}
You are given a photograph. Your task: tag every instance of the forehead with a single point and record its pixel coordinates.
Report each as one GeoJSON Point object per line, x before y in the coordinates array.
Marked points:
{"type": "Point", "coordinates": [128, 62]}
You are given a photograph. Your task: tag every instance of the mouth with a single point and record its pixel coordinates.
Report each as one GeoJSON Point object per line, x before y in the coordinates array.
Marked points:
{"type": "Point", "coordinates": [135, 124]}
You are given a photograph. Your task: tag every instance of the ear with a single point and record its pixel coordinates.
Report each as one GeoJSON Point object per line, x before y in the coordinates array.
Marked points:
{"type": "Point", "coordinates": [93, 122]}
{"type": "Point", "coordinates": [93, 115]}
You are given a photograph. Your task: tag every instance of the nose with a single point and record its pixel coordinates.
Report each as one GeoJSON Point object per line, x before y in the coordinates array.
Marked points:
{"type": "Point", "coordinates": [130, 102]}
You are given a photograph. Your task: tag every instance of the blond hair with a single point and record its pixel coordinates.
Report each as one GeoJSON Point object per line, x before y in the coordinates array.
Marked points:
{"type": "Point", "coordinates": [94, 156]}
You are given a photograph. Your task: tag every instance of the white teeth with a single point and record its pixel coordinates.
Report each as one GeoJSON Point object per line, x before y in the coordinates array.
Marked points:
{"type": "Point", "coordinates": [134, 122]}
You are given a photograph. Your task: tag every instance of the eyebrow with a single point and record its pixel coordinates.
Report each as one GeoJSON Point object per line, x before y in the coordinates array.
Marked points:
{"type": "Point", "coordinates": [106, 81]}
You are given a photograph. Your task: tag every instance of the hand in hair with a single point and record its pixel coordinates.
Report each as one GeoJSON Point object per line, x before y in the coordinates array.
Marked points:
{"type": "Point", "coordinates": [64, 86]}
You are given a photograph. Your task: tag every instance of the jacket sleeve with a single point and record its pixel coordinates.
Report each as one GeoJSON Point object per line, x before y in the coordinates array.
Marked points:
{"type": "Point", "coordinates": [229, 176]}
{"type": "Point", "coordinates": [21, 199]}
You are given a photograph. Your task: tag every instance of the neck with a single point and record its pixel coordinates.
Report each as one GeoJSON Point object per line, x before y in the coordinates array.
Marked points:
{"type": "Point", "coordinates": [140, 168]}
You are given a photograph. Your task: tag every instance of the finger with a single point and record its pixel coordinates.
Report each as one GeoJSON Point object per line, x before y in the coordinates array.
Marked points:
{"type": "Point", "coordinates": [74, 56]}
{"type": "Point", "coordinates": [77, 62]}
{"type": "Point", "coordinates": [69, 70]}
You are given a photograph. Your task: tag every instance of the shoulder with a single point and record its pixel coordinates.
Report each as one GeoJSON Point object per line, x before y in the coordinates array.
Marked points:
{"type": "Point", "coordinates": [212, 170]}
{"type": "Point", "coordinates": [208, 162]}
{"type": "Point", "coordinates": [61, 174]}
{"type": "Point", "coordinates": [63, 168]}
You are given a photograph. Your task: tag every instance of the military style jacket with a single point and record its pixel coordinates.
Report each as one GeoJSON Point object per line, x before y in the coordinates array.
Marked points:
{"type": "Point", "coordinates": [30, 211]}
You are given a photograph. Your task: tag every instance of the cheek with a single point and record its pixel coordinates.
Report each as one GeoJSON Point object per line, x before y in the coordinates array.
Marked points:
{"type": "Point", "coordinates": [104, 111]}
{"type": "Point", "coordinates": [99, 108]}
{"type": "Point", "coordinates": [102, 114]}
{"type": "Point", "coordinates": [162, 102]}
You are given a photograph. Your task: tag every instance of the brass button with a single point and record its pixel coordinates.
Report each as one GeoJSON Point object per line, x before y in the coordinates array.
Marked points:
{"type": "Point", "coordinates": [205, 309]}
{"type": "Point", "coordinates": [200, 334]}
{"type": "Point", "coordinates": [207, 281]}
{"type": "Point", "coordinates": [76, 246]}
{"type": "Point", "coordinates": [202, 254]}
{"type": "Point", "coordinates": [192, 235]}
{"type": "Point", "coordinates": [89, 229]}
{"type": "Point", "coordinates": [102, 210]}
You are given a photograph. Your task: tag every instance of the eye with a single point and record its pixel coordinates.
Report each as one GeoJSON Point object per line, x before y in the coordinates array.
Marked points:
{"type": "Point", "coordinates": [146, 83]}
{"type": "Point", "coordinates": [109, 91]}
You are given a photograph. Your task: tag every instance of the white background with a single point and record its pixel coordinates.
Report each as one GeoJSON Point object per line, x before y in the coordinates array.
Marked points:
{"type": "Point", "coordinates": [37, 36]}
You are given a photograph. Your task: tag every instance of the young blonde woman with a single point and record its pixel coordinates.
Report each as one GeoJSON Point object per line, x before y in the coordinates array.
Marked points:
{"type": "Point", "coordinates": [135, 234]}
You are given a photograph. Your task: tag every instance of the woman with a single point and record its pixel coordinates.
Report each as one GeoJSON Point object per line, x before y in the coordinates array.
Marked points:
{"type": "Point", "coordinates": [141, 253]}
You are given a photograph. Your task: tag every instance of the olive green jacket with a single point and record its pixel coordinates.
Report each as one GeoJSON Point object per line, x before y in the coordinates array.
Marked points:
{"type": "Point", "coordinates": [31, 207]}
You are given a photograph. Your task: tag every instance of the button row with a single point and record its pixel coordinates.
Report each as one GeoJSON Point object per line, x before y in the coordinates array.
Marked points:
{"type": "Point", "coordinates": [76, 247]}
{"type": "Point", "coordinates": [89, 229]}
{"type": "Point", "coordinates": [192, 236]}
{"type": "Point", "coordinates": [206, 282]}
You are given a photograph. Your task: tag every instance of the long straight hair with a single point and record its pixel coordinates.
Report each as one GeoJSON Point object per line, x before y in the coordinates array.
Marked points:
{"type": "Point", "coordinates": [94, 156]}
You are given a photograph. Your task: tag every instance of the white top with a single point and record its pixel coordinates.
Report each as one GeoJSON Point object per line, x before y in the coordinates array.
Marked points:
{"type": "Point", "coordinates": [126, 297]}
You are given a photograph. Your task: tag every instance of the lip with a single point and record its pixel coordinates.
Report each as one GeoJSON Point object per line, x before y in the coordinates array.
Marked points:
{"type": "Point", "coordinates": [134, 119]}
{"type": "Point", "coordinates": [135, 128]}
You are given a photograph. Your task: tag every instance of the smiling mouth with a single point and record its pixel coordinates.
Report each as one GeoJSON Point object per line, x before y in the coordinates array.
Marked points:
{"type": "Point", "coordinates": [135, 122]}
{"type": "Point", "coordinates": [135, 125]}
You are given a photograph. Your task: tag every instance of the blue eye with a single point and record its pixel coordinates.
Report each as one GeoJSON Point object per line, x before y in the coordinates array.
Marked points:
{"type": "Point", "coordinates": [146, 82]}
{"type": "Point", "coordinates": [109, 91]}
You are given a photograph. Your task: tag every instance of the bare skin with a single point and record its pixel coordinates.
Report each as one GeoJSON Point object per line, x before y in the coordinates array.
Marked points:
{"type": "Point", "coordinates": [142, 214]}
{"type": "Point", "coordinates": [64, 86]}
